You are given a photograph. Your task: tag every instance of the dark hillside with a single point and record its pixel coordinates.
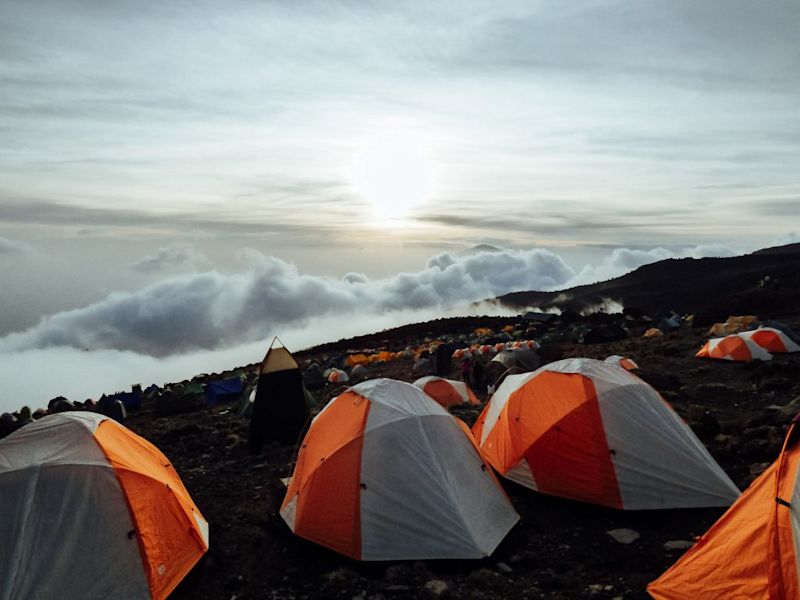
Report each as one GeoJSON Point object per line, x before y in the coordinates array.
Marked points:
{"type": "Point", "coordinates": [719, 285]}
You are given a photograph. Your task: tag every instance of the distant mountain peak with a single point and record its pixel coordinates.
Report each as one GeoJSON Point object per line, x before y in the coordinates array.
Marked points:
{"type": "Point", "coordinates": [482, 248]}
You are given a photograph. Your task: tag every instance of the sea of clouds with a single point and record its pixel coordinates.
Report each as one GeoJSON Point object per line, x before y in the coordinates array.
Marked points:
{"type": "Point", "coordinates": [210, 321]}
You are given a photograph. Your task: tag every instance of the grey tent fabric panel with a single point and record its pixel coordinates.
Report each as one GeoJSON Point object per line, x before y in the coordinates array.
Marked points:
{"type": "Point", "coordinates": [65, 532]}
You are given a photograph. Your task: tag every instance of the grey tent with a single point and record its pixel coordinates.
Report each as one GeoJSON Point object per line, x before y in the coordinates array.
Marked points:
{"type": "Point", "coordinates": [422, 367]}
{"type": "Point", "coordinates": [510, 361]}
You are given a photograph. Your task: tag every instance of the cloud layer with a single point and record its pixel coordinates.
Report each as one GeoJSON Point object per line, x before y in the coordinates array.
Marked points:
{"type": "Point", "coordinates": [210, 310]}
{"type": "Point", "coordinates": [169, 258]}
{"type": "Point", "coordinates": [11, 248]}
{"type": "Point", "coordinates": [213, 310]}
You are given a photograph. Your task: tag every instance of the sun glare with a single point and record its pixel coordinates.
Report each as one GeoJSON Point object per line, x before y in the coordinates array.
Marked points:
{"type": "Point", "coordinates": [394, 174]}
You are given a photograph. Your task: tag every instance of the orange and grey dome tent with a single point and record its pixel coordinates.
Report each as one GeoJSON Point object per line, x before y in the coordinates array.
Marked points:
{"type": "Point", "coordinates": [446, 392]}
{"type": "Point", "coordinates": [91, 510]}
{"type": "Point", "coordinates": [385, 473]}
{"type": "Point", "coordinates": [337, 376]}
{"type": "Point", "coordinates": [590, 431]}
{"type": "Point", "coordinates": [751, 552]}
{"type": "Point", "coordinates": [771, 339]}
{"type": "Point", "coordinates": [733, 347]}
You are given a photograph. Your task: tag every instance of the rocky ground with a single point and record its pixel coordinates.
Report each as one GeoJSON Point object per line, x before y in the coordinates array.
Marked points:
{"type": "Point", "coordinates": [560, 549]}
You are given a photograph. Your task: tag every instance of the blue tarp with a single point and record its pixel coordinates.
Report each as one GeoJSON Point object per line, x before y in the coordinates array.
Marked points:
{"type": "Point", "coordinates": [131, 400]}
{"type": "Point", "coordinates": [224, 390]}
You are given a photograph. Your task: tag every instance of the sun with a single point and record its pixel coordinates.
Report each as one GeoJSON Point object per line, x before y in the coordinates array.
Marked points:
{"type": "Point", "coordinates": [394, 173]}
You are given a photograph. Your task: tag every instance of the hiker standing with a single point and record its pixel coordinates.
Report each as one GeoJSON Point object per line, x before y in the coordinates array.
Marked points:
{"type": "Point", "coordinates": [466, 370]}
{"type": "Point", "coordinates": [477, 376]}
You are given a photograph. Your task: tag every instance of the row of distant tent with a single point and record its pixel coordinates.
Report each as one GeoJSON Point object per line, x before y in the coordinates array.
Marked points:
{"type": "Point", "coordinates": [504, 339]}
{"type": "Point", "coordinates": [188, 396]}
{"type": "Point", "coordinates": [492, 349]}
{"type": "Point", "coordinates": [755, 344]}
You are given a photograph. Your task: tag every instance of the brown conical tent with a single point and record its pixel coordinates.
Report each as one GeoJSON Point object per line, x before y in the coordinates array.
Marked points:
{"type": "Point", "coordinates": [280, 409]}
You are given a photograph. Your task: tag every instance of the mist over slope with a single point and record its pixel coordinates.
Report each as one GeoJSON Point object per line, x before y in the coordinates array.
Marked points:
{"type": "Point", "coordinates": [720, 285]}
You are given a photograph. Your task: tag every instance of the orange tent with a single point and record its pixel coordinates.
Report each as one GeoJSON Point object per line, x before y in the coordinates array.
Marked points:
{"type": "Point", "coordinates": [733, 347]}
{"type": "Point", "coordinates": [446, 392]}
{"type": "Point", "coordinates": [384, 473]}
{"type": "Point", "coordinates": [91, 510]}
{"type": "Point", "coordinates": [590, 431]}
{"type": "Point", "coordinates": [732, 325]}
{"type": "Point", "coordinates": [356, 359]}
{"type": "Point", "coordinates": [750, 552]}
{"type": "Point", "coordinates": [772, 340]}
{"type": "Point", "coordinates": [337, 376]}
{"type": "Point", "coordinates": [653, 332]}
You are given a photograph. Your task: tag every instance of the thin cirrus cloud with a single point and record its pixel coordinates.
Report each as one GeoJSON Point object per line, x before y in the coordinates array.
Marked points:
{"type": "Point", "coordinates": [203, 111]}
{"type": "Point", "coordinates": [172, 257]}
{"type": "Point", "coordinates": [13, 248]}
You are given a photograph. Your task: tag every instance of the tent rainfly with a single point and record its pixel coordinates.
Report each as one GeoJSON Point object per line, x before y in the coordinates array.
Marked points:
{"type": "Point", "coordinates": [590, 431]}
{"type": "Point", "coordinates": [733, 347]}
{"type": "Point", "coordinates": [447, 392]}
{"type": "Point", "coordinates": [752, 550]}
{"type": "Point", "coordinates": [91, 510]}
{"type": "Point", "coordinates": [350, 489]}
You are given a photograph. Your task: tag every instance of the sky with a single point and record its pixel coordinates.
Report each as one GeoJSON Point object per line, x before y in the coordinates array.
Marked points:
{"type": "Point", "coordinates": [180, 181]}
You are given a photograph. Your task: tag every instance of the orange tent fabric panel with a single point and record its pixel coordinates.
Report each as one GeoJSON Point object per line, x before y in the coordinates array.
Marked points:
{"type": "Point", "coordinates": [576, 445]}
{"type": "Point", "coordinates": [497, 448]}
{"type": "Point", "coordinates": [330, 459]}
{"type": "Point", "coordinates": [166, 536]}
{"type": "Point", "coordinates": [769, 340]}
{"type": "Point", "coordinates": [473, 399]}
{"type": "Point", "coordinates": [731, 346]}
{"type": "Point", "coordinates": [160, 506]}
{"type": "Point", "coordinates": [749, 553]}
{"type": "Point", "coordinates": [783, 561]}
{"type": "Point", "coordinates": [735, 347]}
{"type": "Point", "coordinates": [479, 424]}
{"type": "Point", "coordinates": [357, 359]}
{"type": "Point", "coordinates": [731, 561]}
{"type": "Point", "coordinates": [554, 395]}
{"type": "Point", "coordinates": [444, 393]}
